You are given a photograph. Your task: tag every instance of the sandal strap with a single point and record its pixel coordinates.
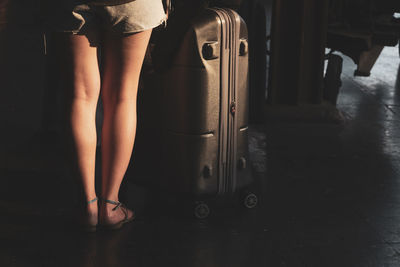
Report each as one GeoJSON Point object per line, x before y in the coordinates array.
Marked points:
{"type": "Point", "coordinates": [117, 204]}
{"type": "Point", "coordinates": [91, 201]}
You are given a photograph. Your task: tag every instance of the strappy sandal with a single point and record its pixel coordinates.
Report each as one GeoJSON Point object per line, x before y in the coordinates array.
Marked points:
{"type": "Point", "coordinates": [90, 227]}
{"type": "Point", "coordinates": [125, 220]}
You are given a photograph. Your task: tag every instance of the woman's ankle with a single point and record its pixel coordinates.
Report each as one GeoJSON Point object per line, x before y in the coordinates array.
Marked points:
{"type": "Point", "coordinates": [92, 208]}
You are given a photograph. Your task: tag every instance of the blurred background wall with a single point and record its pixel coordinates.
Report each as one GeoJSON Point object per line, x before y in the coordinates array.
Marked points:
{"type": "Point", "coordinates": [22, 77]}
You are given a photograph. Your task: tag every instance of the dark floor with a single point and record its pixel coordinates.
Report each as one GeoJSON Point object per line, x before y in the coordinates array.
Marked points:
{"type": "Point", "coordinates": [330, 197]}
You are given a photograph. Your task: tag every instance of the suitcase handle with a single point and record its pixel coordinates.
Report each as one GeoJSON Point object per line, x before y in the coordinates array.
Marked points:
{"type": "Point", "coordinates": [243, 47]}
{"type": "Point", "coordinates": [210, 50]}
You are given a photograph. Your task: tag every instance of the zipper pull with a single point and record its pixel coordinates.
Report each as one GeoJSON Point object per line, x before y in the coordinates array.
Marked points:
{"type": "Point", "coordinates": [233, 108]}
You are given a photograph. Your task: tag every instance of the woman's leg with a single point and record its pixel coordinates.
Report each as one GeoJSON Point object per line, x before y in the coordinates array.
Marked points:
{"type": "Point", "coordinates": [81, 79]}
{"type": "Point", "coordinates": [123, 57]}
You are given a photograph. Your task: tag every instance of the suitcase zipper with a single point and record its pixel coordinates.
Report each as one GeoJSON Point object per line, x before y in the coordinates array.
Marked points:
{"type": "Point", "coordinates": [228, 144]}
{"type": "Point", "coordinates": [234, 35]}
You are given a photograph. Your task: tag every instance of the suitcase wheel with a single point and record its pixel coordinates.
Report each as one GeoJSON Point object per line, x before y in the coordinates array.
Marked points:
{"type": "Point", "coordinates": [201, 210]}
{"type": "Point", "coordinates": [250, 200]}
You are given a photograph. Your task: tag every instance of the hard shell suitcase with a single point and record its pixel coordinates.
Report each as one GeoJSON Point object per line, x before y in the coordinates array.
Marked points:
{"type": "Point", "coordinates": [204, 112]}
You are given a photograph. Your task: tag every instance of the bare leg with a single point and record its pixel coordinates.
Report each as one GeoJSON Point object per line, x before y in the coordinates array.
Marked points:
{"type": "Point", "coordinates": [81, 79]}
{"type": "Point", "coordinates": [123, 58]}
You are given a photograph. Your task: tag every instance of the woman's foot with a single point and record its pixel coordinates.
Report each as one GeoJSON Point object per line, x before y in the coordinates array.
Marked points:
{"type": "Point", "coordinates": [88, 217]}
{"type": "Point", "coordinates": [114, 214]}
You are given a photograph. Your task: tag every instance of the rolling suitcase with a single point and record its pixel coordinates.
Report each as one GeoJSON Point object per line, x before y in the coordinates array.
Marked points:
{"type": "Point", "coordinates": [204, 113]}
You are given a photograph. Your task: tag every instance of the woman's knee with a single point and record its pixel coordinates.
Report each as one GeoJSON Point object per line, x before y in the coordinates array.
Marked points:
{"type": "Point", "coordinates": [118, 97]}
{"type": "Point", "coordinates": [85, 91]}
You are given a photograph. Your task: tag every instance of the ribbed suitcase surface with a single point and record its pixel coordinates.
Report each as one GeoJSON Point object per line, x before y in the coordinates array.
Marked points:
{"type": "Point", "coordinates": [205, 114]}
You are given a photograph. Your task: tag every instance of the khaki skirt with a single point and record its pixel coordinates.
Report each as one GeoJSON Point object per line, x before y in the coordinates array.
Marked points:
{"type": "Point", "coordinates": [135, 16]}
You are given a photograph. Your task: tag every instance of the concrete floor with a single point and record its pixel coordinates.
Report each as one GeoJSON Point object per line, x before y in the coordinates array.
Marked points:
{"type": "Point", "coordinates": [330, 196]}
